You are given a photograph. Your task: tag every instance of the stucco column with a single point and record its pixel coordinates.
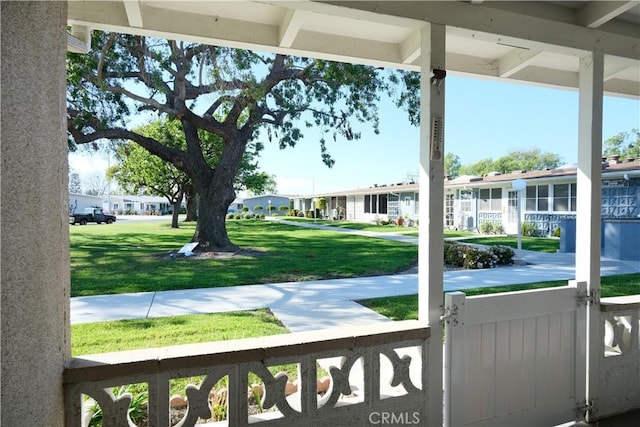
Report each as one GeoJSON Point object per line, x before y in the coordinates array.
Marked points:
{"type": "Point", "coordinates": [430, 250]}
{"type": "Point", "coordinates": [35, 232]}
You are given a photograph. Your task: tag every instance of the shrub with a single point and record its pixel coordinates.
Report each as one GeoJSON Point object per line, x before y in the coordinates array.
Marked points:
{"type": "Point", "coordinates": [230, 216]}
{"type": "Point", "coordinates": [245, 209]}
{"type": "Point", "coordinates": [459, 255]}
{"type": "Point", "coordinates": [453, 254]}
{"type": "Point", "coordinates": [486, 227]}
{"type": "Point", "coordinates": [529, 229]}
{"type": "Point", "coordinates": [498, 228]}
{"type": "Point", "coordinates": [283, 208]}
{"type": "Point", "coordinates": [556, 232]}
{"type": "Point", "coordinates": [257, 208]}
{"type": "Point", "coordinates": [503, 254]}
{"type": "Point", "coordinates": [474, 258]}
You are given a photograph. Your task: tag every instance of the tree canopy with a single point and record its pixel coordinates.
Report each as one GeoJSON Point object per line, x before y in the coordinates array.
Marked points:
{"type": "Point", "coordinates": [237, 95]}
{"type": "Point", "coordinates": [626, 145]}
{"type": "Point", "coordinates": [452, 165]}
{"type": "Point", "coordinates": [139, 171]}
{"type": "Point", "coordinates": [532, 159]}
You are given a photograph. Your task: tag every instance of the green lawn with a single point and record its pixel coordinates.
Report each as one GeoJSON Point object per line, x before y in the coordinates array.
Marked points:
{"type": "Point", "coordinates": [405, 307]}
{"type": "Point", "coordinates": [540, 244]}
{"type": "Point", "coordinates": [456, 233]}
{"type": "Point", "coordinates": [363, 226]}
{"type": "Point", "coordinates": [100, 337]}
{"type": "Point", "coordinates": [134, 257]}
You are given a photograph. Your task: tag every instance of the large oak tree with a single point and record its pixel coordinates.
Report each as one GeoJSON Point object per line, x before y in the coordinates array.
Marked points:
{"type": "Point", "coordinates": [234, 94]}
{"type": "Point", "coordinates": [139, 171]}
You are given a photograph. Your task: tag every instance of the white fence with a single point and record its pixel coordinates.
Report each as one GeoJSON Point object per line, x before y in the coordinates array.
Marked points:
{"type": "Point", "coordinates": [514, 358]}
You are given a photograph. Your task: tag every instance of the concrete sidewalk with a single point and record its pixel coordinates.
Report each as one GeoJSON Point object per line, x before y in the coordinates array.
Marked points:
{"type": "Point", "coordinates": [303, 306]}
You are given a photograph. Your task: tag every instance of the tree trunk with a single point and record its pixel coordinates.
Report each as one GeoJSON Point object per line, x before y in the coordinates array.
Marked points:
{"type": "Point", "coordinates": [211, 230]}
{"type": "Point", "coordinates": [191, 197]}
{"type": "Point", "coordinates": [176, 212]}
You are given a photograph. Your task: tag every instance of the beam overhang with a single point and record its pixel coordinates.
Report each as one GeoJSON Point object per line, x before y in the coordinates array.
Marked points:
{"type": "Point", "coordinates": [596, 13]}
{"type": "Point", "coordinates": [515, 61]}
{"type": "Point", "coordinates": [481, 18]}
{"type": "Point", "coordinates": [134, 13]}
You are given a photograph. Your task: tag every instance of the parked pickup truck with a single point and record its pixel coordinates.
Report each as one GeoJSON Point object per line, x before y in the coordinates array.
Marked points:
{"type": "Point", "coordinates": [91, 215]}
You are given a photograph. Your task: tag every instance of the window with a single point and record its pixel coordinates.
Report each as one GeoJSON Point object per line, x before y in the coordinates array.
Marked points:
{"type": "Point", "coordinates": [382, 203]}
{"type": "Point", "coordinates": [537, 198]}
{"type": "Point", "coordinates": [375, 203]}
{"type": "Point", "coordinates": [448, 210]}
{"type": "Point", "coordinates": [564, 197]}
{"type": "Point", "coordinates": [490, 199]}
{"type": "Point", "coordinates": [115, 206]}
{"type": "Point", "coordinates": [466, 201]}
{"type": "Point", "coordinates": [407, 201]}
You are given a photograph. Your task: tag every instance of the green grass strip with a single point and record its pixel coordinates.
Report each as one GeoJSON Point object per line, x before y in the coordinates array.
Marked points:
{"type": "Point", "coordinates": [540, 244]}
{"type": "Point", "coordinates": [405, 307]}
{"type": "Point", "coordinates": [101, 337]}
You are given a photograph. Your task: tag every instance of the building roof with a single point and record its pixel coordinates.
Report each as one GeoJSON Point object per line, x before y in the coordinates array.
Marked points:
{"type": "Point", "coordinates": [610, 166]}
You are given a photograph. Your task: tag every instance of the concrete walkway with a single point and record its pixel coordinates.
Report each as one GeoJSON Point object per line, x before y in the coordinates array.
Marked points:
{"type": "Point", "coordinates": [313, 305]}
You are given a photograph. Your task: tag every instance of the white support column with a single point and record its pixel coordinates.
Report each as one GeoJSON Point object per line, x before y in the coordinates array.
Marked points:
{"type": "Point", "coordinates": [589, 202]}
{"type": "Point", "coordinates": [430, 251]}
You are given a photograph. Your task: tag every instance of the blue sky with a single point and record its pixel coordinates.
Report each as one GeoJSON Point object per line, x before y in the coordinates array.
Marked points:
{"type": "Point", "coordinates": [483, 118]}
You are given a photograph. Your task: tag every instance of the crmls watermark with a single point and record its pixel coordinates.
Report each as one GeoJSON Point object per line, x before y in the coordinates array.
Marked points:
{"type": "Point", "coordinates": [394, 418]}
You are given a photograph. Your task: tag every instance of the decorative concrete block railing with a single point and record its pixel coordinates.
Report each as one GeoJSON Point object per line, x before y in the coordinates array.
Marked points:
{"type": "Point", "coordinates": [375, 371]}
{"type": "Point", "coordinates": [620, 363]}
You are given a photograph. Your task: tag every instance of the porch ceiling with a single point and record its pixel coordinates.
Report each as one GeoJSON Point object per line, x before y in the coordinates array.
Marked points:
{"type": "Point", "coordinates": [535, 42]}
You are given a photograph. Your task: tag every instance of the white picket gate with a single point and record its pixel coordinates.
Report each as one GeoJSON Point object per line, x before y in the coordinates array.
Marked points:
{"type": "Point", "coordinates": [515, 358]}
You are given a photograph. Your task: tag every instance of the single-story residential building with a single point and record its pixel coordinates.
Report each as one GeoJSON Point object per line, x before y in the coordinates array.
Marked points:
{"type": "Point", "coordinates": [236, 205]}
{"type": "Point", "coordinates": [79, 202]}
{"type": "Point", "coordinates": [119, 204]}
{"type": "Point", "coordinates": [136, 205]}
{"type": "Point", "coordinates": [380, 202]}
{"type": "Point", "coordinates": [270, 204]}
{"type": "Point", "coordinates": [548, 197]}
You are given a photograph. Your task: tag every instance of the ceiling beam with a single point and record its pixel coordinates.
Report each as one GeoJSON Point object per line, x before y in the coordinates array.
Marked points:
{"type": "Point", "coordinates": [596, 13]}
{"type": "Point", "coordinates": [410, 48]}
{"type": "Point", "coordinates": [471, 65]}
{"type": "Point", "coordinates": [480, 18]}
{"type": "Point", "coordinates": [79, 40]}
{"type": "Point", "coordinates": [289, 28]}
{"type": "Point", "coordinates": [335, 46]}
{"type": "Point", "coordinates": [612, 71]}
{"type": "Point", "coordinates": [134, 13]}
{"type": "Point", "coordinates": [624, 88]}
{"type": "Point", "coordinates": [515, 61]}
